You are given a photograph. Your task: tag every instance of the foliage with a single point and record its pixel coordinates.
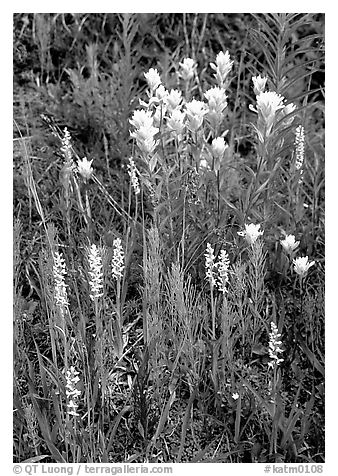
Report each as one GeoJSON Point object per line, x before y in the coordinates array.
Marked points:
{"type": "Point", "coordinates": [146, 291]}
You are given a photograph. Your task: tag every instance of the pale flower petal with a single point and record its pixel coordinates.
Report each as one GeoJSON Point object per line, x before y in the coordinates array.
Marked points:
{"type": "Point", "coordinates": [289, 243]}
{"type": "Point", "coordinates": [153, 79]}
{"type": "Point", "coordinates": [251, 233]}
{"type": "Point", "coordinates": [302, 265]}
{"type": "Point", "coordinates": [84, 168]}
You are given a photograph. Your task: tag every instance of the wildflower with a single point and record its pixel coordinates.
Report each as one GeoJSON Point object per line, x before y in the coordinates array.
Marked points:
{"type": "Point", "coordinates": [217, 100]}
{"type": "Point", "coordinates": [218, 146]}
{"type": "Point", "coordinates": [59, 273]}
{"type": "Point", "coordinates": [145, 131]}
{"type": "Point", "coordinates": [188, 68]}
{"type": "Point", "coordinates": [274, 346]}
{"type": "Point", "coordinates": [209, 264]}
{"type": "Point", "coordinates": [153, 79]}
{"type": "Point", "coordinates": [251, 233]}
{"type": "Point", "coordinates": [302, 265]}
{"type": "Point", "coordinates": [289, 244]}
{"type": "Point", "coordinates": [259, 84]}
{"type": "Point", "coordinates": [299, 146]}
{"type": "Point", "coordinates": [223, 271]}
{"type": "Point", "coordinates": [268, 103]}
{"type": "Point", "coordinates": [95, 272]}
{"type": "Point", "coordinates": [72, 393]}
{"type": "Point", "coordinates": [176, 121]}
{"type": "Point", "coordinates": [84, 168]}
{"type": "Point", "coordinates": [133, 174]}
{"type": "Point", "coordinates": [118, 259]}
{"type": "Point", "coordinates": [174, 99]}
{"type": "Point", "coordinates": [195, 111]}
{"type": "Point", "coordinates": [222, 67]}
{"type": "Point", "coordinates": [66, 148]}
{"type": "Point", "coordinates": [235, 396]}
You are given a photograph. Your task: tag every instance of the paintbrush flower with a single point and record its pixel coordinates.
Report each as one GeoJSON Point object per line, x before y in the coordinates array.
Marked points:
{"type": "Point", "coordinates": [251, 233]}
{"type": "Point", "coordinates": [302, 265]}
{"type": "Point", "coordinates": [289, 243]}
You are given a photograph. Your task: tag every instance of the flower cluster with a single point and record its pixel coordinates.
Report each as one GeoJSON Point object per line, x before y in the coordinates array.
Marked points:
{"type": "Point", "coordinates": [217, 273]}
{"type": "Point", "coordinates": [268, 103]}
{"type": "Point", "coordinates": [223, 271]}
{"type": "Point", "coordinates": [222, 67]}
{"type": "Point", "coordinates": [66, 148]}
{"type": "Point", "coordinates": [118, 259]}
{"type": "Point", "coordinates": [60, 289]}
{"type": "Point", "coordinates": [133, 174]}
{"type": "Point", "coordinates": [274, 346]}
{"type": "Point", "coordinates": [169, 109]}
{"type": "Point", "coordinates": [299, 149]}
{"type": "Point", "coordinates": [72, 392]}
{"type": "Point", "coordinates": [95, 272]}
{"type": "Point", "coordinates": [251, 233]}
{"type": "Point", "coordinates": [210, 264]}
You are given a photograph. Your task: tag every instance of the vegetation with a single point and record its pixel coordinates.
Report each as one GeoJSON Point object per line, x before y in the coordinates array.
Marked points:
{"type": "Point", "coordinates": [169, 238]}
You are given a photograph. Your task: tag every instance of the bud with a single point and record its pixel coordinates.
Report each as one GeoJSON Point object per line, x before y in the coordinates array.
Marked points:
{"type": "Point", "coordinates": [259, 84]}
{"type": "Point", "coordinates": [218, 147]}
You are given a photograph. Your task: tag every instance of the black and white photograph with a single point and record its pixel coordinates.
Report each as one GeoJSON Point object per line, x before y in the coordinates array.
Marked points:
{"type": "Point", "coordinates": [168, 240]}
